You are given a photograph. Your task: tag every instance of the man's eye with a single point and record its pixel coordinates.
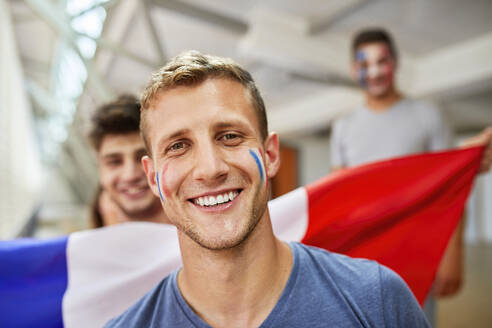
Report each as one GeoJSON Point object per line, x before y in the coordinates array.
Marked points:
{"type": "Point", "coordinates": [177, 146]}
{"type": "Point", "coordinates": [229, 136]}
{"type": "Point", "coordinates": [231, 139]}
{"type": "Point", "coordinates": [113, 163]}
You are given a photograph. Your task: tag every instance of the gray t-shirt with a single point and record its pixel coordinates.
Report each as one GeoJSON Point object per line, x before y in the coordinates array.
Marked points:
{"type": "Point", "coordinates": [408, 127]}
{"type": "Point", "coordinates": [323, 290]}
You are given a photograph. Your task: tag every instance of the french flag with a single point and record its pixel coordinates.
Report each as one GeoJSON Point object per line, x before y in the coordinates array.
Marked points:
{"type": "Point", "coordinates": [399, 212]}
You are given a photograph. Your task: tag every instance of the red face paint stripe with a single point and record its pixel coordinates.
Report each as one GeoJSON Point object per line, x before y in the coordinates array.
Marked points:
{"type": "Point", "coordinates": [163, 184]}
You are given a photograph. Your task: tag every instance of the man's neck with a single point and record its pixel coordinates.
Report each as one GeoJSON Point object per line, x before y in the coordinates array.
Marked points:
{"type": "Point", "coordinates": [237, 287]}
{"type": "Point", "coordinates": [383, 102]}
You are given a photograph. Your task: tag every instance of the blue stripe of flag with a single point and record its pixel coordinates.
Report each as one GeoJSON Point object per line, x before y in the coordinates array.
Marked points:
{"type": "Point", "coordinates": [33, 280]}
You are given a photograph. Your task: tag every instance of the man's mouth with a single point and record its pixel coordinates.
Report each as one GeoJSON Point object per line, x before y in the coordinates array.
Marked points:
{"type": "Point", "coordinates": [135, 191]}
{"type": "Point", "coordinates": [217, 199]}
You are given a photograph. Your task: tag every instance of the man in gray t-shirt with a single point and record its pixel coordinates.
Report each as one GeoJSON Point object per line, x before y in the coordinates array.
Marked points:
{"type": "Point", "coordinates": [388, 125]}
{"type": "Point", "coordinates": [406, 127]}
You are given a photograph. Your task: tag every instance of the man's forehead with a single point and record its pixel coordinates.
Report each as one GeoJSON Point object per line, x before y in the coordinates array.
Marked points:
{"type": "Point", "coordinates": [372, 51]}
{"type": "Point", "coordinates": [226, 93]}
{"type": "Point", "coordinates": [121, 143]}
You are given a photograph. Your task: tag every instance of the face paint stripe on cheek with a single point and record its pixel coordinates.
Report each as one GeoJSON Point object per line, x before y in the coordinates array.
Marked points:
{"type": "Point", "coordinates": [362, 76]}
{"type": "Point", "coordinates": [263, 161]}
{"type": "Point", "coordinates": [254, 153]}
{"type": "Point", "coordinates": [159, 186]}
{"type": "Point", "coordinates": [163, 182]}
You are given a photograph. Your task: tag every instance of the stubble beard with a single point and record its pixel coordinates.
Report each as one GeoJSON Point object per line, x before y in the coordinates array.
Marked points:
{"type": "Point", "coordinates": [217, 244]}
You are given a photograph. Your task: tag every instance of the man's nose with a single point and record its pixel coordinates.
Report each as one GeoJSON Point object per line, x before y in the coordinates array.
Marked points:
{"type": "Point", "coordinates": [132, 171]}
{"type": "Point", "coordinates": [373, 71]}
{"type": "Point", "coordinates": [209, 163]}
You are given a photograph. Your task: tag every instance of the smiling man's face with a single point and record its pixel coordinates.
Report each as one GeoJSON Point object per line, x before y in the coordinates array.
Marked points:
{"type": "Point", "coordinates": [374, 68]}
{"type": "Point", "coordinates": [122, 175]}
{"type": "Point", "coordinates": [209, 164]}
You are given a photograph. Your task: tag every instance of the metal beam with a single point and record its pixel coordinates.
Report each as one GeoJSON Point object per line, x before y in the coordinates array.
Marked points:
{"type": "Point", "coordinates": [452, 68]}
{"type": "Point", "coordinates": [60, 22]}
{"type": "Point", "coordinates": [205, 15]}
{"type": "Point", "coordinates": [318, 111]}
{"type": "Point", "coordinates": [35, 65]}
{"type": "Point", "coordinates": [119, 50]}
{"type": "Point", "coordinates": [339, 10]}
{"type": "Point", "coordinates": [159, 47]}
{"type": "Point", "coordinates": [42, 98]}
{"type": "Point", "coordinates": [116, 27]}
{"type": "Point", "coordinates": [106, 5]}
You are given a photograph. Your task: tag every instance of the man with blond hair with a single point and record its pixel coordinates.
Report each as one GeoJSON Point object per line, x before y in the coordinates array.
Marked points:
{"type": "Point", "coordinates": [210, 157]}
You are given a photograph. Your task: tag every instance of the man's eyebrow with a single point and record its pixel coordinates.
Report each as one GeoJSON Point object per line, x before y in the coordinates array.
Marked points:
{"type": "Point", "coordinates": [173, 135]}
{"type": "Point", "coordinates": [231, 124]}
{"type": "Point", "coordinates": [110, 155]}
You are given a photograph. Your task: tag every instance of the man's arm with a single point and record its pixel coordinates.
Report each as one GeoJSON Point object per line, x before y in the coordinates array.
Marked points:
{"type": "Point", "coordinates": [449, 277]}
{"type": "Point", "coordinates": [483, 138]}
{"type": "Point", "coordinates": [336, 168]}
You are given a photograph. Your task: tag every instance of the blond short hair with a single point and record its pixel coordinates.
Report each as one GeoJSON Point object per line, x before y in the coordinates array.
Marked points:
{"type": "Point", "coordinates": [191, 68]}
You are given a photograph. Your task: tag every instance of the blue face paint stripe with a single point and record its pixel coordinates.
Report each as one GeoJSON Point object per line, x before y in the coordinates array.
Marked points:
{"type": "Point", "coordinates": [362, 78]}
{"type": "Point", "coordinates": [360, 56]}
{"type": "Point", "coordinates": [159, 187]}
{"type": "Point", "coordinates": [258, 162]}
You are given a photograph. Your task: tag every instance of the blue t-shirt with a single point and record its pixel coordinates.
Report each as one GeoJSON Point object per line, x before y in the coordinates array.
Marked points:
{"type": "Point", "coordinates": [323, 290]}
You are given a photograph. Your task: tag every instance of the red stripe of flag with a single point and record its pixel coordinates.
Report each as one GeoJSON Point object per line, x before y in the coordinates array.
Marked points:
{"type": "Point", "coordinates": [400, 212]}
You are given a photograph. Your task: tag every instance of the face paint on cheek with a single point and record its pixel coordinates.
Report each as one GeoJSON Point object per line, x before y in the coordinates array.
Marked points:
{"type": "Point", "coordinates": [263, 161]}
{"type": "Point", "coordinates": [255, 153]}
{"type": "Point", "coordinates": [362, 72]}
{"type": "Point", "coordinates": [161, 184]}
{"type": "Point", "coordinates": [159, 187]}
{"type": "Point", "coordinates": [389, 72]}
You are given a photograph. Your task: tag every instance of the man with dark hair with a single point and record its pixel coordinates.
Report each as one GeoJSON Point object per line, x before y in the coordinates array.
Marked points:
{"type": "Point", "coordinates": [116, 138]}
{"type": "Point", "coordinates": [210, 157]}
{"type": "Point", "coordinates": [389, 125]}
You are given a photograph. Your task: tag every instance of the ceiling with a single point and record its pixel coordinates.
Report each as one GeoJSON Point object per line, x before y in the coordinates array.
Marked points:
{"type": "Point", "coordinates": [297, 51]}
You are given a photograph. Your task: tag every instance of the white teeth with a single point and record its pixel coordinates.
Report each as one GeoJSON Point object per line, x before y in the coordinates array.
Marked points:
{"type": "Point", "coordinates": [214, 200]}
{"type": "Point", "coordinates": [134, 190]}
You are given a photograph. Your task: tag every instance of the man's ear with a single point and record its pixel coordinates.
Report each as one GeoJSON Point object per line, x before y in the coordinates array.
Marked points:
{"type": "Point", "coordinates": [272, 155]}
{"type": "Point", "coordinates": [148, 165]}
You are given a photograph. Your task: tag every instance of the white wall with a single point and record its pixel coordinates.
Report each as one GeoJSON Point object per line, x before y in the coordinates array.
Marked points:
{"type": "Point", "coordinates": [20, 167]}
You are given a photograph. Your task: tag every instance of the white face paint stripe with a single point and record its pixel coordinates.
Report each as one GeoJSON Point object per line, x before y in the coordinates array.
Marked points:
{"type": "Point", "coordinates": [159, 187]}
{"type": "Point", "coordinates": [255, 153]}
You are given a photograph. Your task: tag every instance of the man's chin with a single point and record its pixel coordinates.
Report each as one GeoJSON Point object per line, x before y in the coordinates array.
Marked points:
{"type": "Point", "coordinates": [378, 92]}
{"type": "Point", "coordinates": [220, 243]}
{"type": "Point", "coordinates": [142, 212]}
